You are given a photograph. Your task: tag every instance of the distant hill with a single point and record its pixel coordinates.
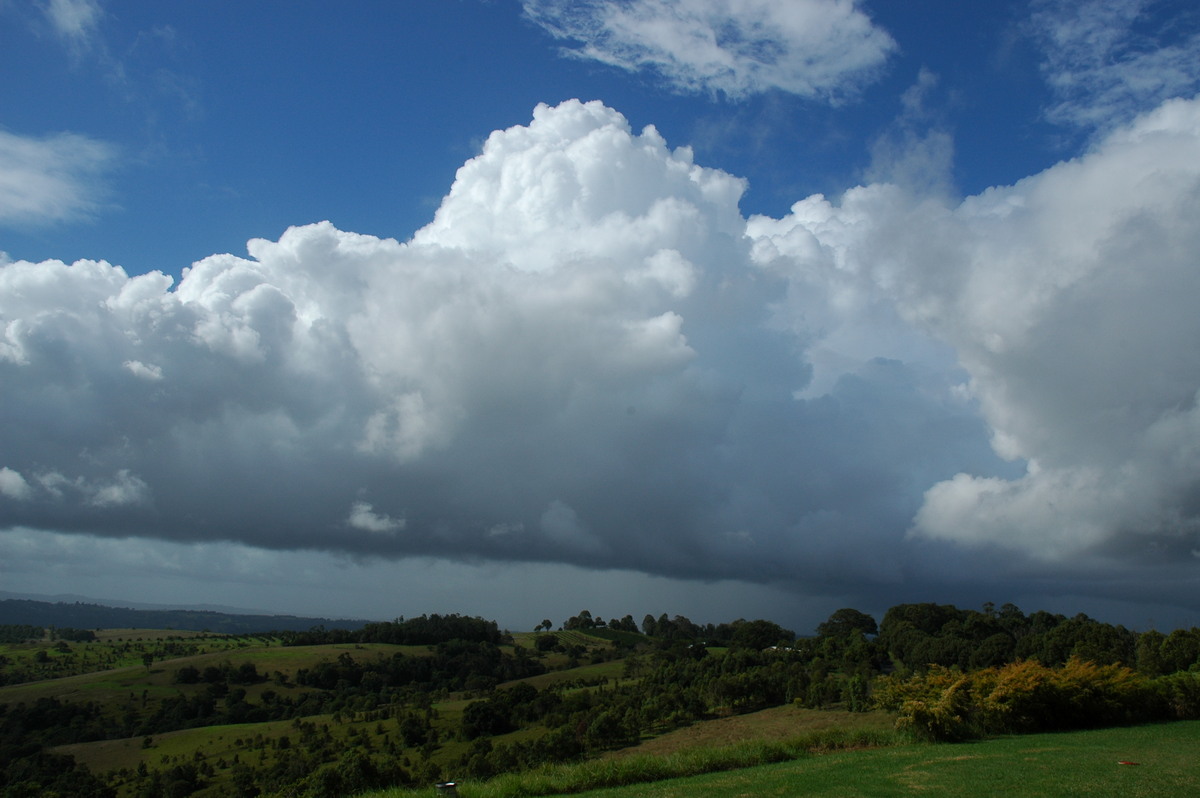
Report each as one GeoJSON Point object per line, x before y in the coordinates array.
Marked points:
{"type": "Point", "coordinates": [81, 615]}
{"type": "Point", "coordinates": [108, 601]}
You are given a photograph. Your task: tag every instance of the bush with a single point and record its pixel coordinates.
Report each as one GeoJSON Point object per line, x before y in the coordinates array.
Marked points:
{"type": "Point", "coordinates": [1026, 697]}
{"type": "Point", "coordinates": [948, 718]}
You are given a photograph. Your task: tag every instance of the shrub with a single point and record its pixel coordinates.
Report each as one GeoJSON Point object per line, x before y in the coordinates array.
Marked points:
{"type": "Point", "coordinates": [1025, 697]}
{"type": "Point", "coordinates": [946, 718]}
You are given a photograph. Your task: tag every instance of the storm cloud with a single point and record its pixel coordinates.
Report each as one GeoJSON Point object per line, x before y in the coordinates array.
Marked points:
{"type": "Point", "coordinates": [591, 357]}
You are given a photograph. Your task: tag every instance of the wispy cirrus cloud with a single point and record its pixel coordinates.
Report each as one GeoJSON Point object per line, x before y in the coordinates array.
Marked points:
{"type": "Point", "coordinates": [74, 21]}
{"type": "Point", "coordinates": [51, 179]}
{"type": "Point", "coordinates": [1107, 61]}
{"type": "Point", "coordinates": [823, 49]}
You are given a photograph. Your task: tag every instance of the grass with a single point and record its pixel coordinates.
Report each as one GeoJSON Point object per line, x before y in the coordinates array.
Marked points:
{"type": "Point", "coordinates": [113, 649]}
{"type": "Point", "coordinates": [112, 687]}
{"type": "Point", "coordinates": [131, 684]}
{"type": "Point", "coordinates": [216, 741]}
{"type": "Point", "coordinates": [1031, 766]}
{"type": "Point", "coordinates": [775, 724]}
{"type": "Point", "coordinates": [587, 674]}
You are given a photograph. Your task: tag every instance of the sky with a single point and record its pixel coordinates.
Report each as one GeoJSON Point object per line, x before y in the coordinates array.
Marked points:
{"type": "Point", "coordinates": [514, 308]}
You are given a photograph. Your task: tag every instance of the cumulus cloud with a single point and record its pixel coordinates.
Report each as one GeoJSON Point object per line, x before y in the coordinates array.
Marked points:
{"type": "Point", "coordinates": [1107, 61]}
{"type": "Point", "coordinates": [363, 516]}
{"type": "Point", "coordinates": [13, 485]}
{"type": "Point", "coordinates": [50, 179]}
{"type": "Point", "coordinates": [1067, 298]}
{"type": "Point", "coordinates": [575, 361]}
{"type": "Point", "coordinates": [590, 357]}
{"type": "Point", "coordinates": [142, 370]}
{"type": "Point", "coordinates": [824, 49]}
{"type": "Point", "coordinates": [124, 488]}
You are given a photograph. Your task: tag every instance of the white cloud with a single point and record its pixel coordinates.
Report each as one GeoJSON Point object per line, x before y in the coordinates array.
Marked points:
{"type": "Point", "coordinates": [50, 179]}
{"type": "Point", "coordinates": [1069, 299]}
{"type": "Point", "coordinates": [576, 351]}
{"type": "Point", "coordinates": [74, 20]}
{"type": "Point", "coordinates": [590, 357]}
{"type": "Point", "coordinates": [577, 184]}
{"type": "Point", "coordinates": [13, 485]}
{"type": "Point", "coordinates": [125, 488]}
{"type": "Point", "coordinates": [143, 371]}
{"type": "Point", "coordinates": [363, 516]}
{"type": "Point", "coordinates": [915, 151]}
{"type": "Point", "coordinates": [813, 48]}
{"type": "Point", "coordinates": [1108, 60]}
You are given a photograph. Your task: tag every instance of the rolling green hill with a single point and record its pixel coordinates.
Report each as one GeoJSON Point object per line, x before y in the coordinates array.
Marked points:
{"type": "Point", "coordinates": [127, 713]}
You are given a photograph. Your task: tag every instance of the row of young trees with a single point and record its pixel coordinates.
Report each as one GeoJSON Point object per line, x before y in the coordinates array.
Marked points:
{"type": "Point", "coordinates": [757, 633]}
{"type": "Point", "coordinates": [424, 630]}
{"type": "Point", "coordinates": [24, 633]}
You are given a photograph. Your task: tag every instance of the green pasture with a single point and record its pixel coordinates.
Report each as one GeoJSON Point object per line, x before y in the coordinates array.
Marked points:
{"type": "Point", "coordinates": [117, 683]}
{"type": "Point", "coordinates": [586, 674]}
{"type": "Point", "coordinates": [113, 648]}
{"type": "Point", "coordinates": [1044, 765]}
{"type": "Point", "coordinates": [222, 746]}
{"type": "Point", "coordinates": [1153, 761]}
{"type": "Point", "coordinates": [214, 741]}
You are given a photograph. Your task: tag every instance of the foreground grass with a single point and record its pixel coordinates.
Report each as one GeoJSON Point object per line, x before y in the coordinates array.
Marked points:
{"type": "Point", "coordinates": [639, 770]}
{"type": "Point", "coordinates": [1043, 765]}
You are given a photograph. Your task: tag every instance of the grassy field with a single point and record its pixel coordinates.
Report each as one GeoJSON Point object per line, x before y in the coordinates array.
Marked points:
{"type": "Point", "coordinates": [776, 724]}
{"type": "Point", "coordinates": [785, 750]}
{"type": "Point", "coordinates": [215, 741]}
{"type": "Point", "coordinates": [47, 658]}
{"type": "Point", "coordinates": [1034, 766]}
{"type": "Point", "coordinates": [112, 686]}
{"type": "Point", "coordinates": [114, 690]}
{"type": "Point", "coordinates": [219, 748]}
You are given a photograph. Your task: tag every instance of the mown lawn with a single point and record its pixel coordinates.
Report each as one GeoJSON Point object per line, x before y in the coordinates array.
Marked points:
{"type": "Point", "coordinates": [1065, 765]}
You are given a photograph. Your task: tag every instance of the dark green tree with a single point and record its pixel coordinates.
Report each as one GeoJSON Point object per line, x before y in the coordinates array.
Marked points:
{"type": "Point", "coordinates": [847, 621]}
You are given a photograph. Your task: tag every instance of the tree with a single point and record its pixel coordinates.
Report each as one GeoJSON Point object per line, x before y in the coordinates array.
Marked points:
{"type": "Point", "coordinates": [626, 624]}
{"type": "Point", "coordinates": [483, 718]}
{"type": "Point", "coordinates": [188, 674]}
{"type": "Point", "coordinates": [760, 634]}
{"type": "Point", "coordinates": [1149, 652]}
{"type": "Point", "coordinates": [845, 622]}
{"type": "Point", "coordinates": [1180, 650]}
{"type": "Point", "coordinates": [583, 620]}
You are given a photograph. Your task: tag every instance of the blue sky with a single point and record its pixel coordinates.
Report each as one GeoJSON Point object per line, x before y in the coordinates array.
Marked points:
{"type": "Point", "coordinates": [226, 122]}
{"type": "Point", "coordinates": [893, 302]}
